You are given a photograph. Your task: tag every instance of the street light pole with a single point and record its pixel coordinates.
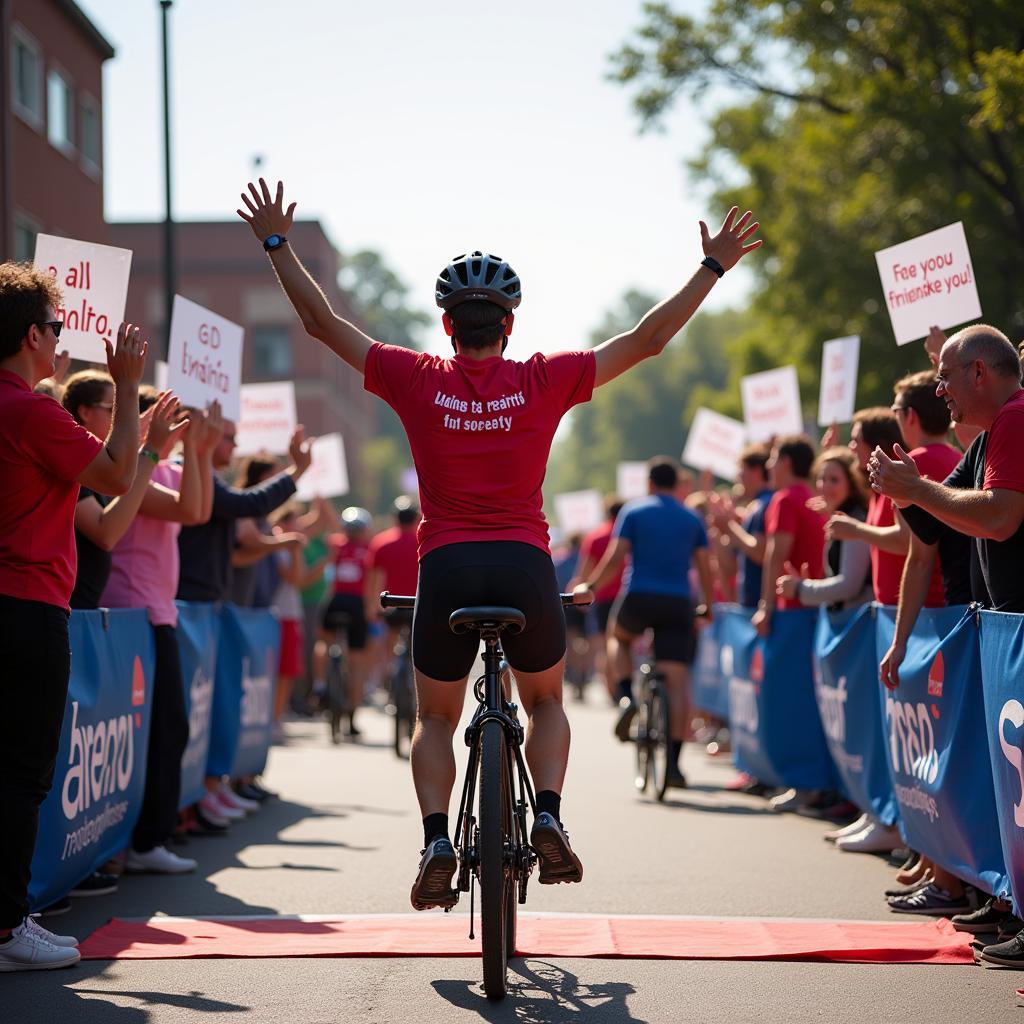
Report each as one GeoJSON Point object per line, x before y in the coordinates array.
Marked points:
{"type": "Point", "coordinates": [170, 283]}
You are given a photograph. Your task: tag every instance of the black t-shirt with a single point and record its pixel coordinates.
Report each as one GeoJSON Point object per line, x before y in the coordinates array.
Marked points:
{"type": "Point", "coordinates": [93, 562]}
{"type": "Point", "coordinates": [997, 562]}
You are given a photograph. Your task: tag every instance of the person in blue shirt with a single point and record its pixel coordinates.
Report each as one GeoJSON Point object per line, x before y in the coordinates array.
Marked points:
{"type": "Point", "coordinates": [663, 539]}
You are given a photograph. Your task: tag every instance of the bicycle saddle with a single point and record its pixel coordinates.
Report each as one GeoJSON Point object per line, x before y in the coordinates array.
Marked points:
{"type": "Point", "coordinates": [464, 619]}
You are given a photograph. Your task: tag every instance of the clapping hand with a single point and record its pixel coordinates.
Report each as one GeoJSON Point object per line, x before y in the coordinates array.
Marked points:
{"type": "Point", "coordinates": [301, 449]}
{"type": "Point", "coordinates": [841, 527]}
{"type": "Point", "coordinates": [266, 216]}
{"type": "Point", "coordinates": [127, 361]}
{"type": "Point", "coordinates": [895, 477]}
{"type": "Point", "coordinates": [788, 585]}
{"type": "Point", "coordinates": [933, 345]}
{"type": "Point", "coordinates": [162, 426]}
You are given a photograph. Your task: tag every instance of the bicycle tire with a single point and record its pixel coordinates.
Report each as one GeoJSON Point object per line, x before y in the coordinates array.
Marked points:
{"type": "Point", "coordinates": [642, 750]}
{"type": "Point", "coordinates": [338, 704]}
{"type": "Point", "coordinates": [495, 878]}
{"type": "Point", "coordinates": [404, 704]}
{"type": "Point", "coordinates": [660, 740]}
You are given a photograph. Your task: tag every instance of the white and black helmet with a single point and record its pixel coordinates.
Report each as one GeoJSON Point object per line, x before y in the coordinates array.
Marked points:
{"type": "Point", "coordinates": [478, 275]}
{"type": "Point", "coordinates": [356, 518]}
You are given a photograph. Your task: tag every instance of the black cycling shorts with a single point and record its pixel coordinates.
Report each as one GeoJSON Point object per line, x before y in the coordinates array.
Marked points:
{"type": "Point", "coordinates": [347, 610]}
{"type": "Point", "coordinates": [506, 573]}
{"type": "Point", "coordinates": [671, 619]}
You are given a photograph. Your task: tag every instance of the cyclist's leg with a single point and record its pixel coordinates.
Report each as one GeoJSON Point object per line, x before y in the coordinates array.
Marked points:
{"type": "Point", "coordinates": [675, 644]}
{"type": "Point", "coordinates": [438, 710]}
{"type": "Point", "coordinates": [677, 681]}
{"type": "Point", "coordinates": [547, 738]}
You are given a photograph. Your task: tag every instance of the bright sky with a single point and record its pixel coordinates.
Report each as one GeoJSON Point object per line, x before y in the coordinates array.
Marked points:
{"type": "Point", "coordinates": [419, 135]}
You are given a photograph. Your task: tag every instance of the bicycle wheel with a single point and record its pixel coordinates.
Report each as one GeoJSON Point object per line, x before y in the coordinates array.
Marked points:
{"type": "Point", "coordinates": [403, 699]}
{"type": "Point", "coordinates": [659, 740]}
{"type": "Point", "coordinates": [642, 750]}
{"type": "Point", "coordinates": [496, 888]}
{"type": "Point", "coordinates": [337, 693]}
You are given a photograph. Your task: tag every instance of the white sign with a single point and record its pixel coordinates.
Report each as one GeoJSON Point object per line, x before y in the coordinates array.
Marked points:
{"type": "Point", "coordinates": [94, 281]}
{"type": "Point", "coordinates": [839, 360]}
{"type": "Point", "coordinates": [771, 404]}
{"type": "Point", "coordinates": [327, 476]}
{"type": "Point", "coordinates": [929, 281]}
{"type": "Point", "coordinates": [579, 511]}
{"type": "Point", "coordinates": [268, 418]}
{"type": "Point", "coordinates": [205, 358]}
{"type": "Point", "coordinates": [631, 480]}
{"type": "Point", "coordinates": [160, 375]}
{"type": "Point", "coordinates": [409, 480]}
{"type": "Point", "coordinates": [715, 443]}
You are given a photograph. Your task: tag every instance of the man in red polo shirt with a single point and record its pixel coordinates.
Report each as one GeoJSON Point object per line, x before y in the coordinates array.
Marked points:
{"type": "Point", "coordinates": [392, 564]}
{"type": "Point", "coordinates": [44, 456]}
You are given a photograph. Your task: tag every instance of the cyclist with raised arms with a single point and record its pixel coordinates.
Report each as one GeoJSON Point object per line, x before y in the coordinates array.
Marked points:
{"type": "Point", "coordinates": [480, 428]}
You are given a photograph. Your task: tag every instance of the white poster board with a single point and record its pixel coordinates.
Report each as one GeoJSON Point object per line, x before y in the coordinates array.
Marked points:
{"type": "Point", "coordinates": [205, 358]}
{"type": "Point", "coordinates": [160, 375]}
{"type": "Point", "coordinates": [94, 281]}
{"type": "Point", "coordinates": [327, 476]}
{"type": "Point", "coordinates": [631, 480]}
{"type": "Point", "coordinates": [409, 481]}
{"type": "Point", "coordinates": [771, 403]}
{"type": "Point", "coordinates": [715, 443]}
{"type": "Point", "coordinates": [929, 280]}
{"type": "Point", "coordinates": [579, 511]}
{"type": "Point", "coordinates": [840, 358]}
{"type": "Point", "coordinates": [268, 418]}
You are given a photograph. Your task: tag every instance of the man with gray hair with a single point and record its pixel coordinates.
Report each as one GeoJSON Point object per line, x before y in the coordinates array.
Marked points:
{"type": "Point", "coordinates": [979, 376]}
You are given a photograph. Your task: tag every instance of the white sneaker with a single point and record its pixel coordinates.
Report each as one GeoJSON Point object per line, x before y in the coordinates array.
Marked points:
{"type": "Point", "coordinates": [32, 925]}
{"type": "Point", "coordinates": [158, 861]}
{"type": "Point", "coordinates": [209, 807]}
{"type": "Point", "coordinates": [226, 795]}
{"type": "Point", "coordinates": [788, 800]}
{"type": "Point", "coordinates": [26, 950]}
{"type": "Point", "coordinates": [876, 838]}
{"type": "Point", "coordinates": [848, 830]}
{"type": "Point", "coordinates": [222, 808]}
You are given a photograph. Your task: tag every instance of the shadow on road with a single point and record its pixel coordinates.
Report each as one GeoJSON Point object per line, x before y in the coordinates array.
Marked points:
{"type": "Point", "coordinates": [540, 992]}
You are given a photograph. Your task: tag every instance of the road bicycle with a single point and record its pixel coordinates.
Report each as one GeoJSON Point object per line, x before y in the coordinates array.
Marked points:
{"type": "Point", "coordinates": [491, 837]}
{"type": "Point", "coordinates": [339, 697]}
{"type": "Point", "coordinates": [651, 731]}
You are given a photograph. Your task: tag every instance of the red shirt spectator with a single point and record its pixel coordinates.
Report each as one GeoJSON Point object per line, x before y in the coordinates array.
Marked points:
{"type": "Point", "coordinates": [787, 512]}
{"type": "Point", "coordinates": [936, 462]}
{"type": "Point", "coordinates": [349, 565]}
{"type": "Point", "coordinates": [393, 553]}
{"type": "Point", "coordinates": [1004, 467]}
{"type": "Point", "coordinates": [591, 552]}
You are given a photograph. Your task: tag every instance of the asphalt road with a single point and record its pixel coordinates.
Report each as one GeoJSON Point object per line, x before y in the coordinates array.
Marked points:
{"type": "Point", "coordinates": [344, 837]}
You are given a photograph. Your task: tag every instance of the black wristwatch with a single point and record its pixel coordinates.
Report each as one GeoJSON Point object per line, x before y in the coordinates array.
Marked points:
{"type": "Point", "coordinates": [711, 263]}
{"type": "Point", "coordinates": [272, 242]}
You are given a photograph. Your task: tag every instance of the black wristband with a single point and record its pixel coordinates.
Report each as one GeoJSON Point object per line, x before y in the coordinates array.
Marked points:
{"type": "Point", "coordinates": [712, 264]}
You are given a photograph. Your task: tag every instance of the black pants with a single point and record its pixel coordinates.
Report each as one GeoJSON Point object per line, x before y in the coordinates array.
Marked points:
{"type": "Point", "coordinates": [168, 738]}
{"type": "Point", "coordinates": [35, 665]}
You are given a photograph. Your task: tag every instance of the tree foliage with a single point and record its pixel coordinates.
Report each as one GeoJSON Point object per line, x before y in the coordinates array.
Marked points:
{"type": "Point", "coordinates": [861, 123]}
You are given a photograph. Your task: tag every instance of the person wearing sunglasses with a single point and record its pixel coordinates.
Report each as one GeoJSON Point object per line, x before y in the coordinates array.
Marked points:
{"type": "Point", "coordinates": [44, 457]}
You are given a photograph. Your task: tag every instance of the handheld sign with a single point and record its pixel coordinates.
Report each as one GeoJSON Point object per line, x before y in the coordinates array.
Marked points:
{"type": "Point", "coordinates": [579, 511]}
{"type": "Point", "coordinates": [714, 443]}
{"type": "Point", "coordinates": [409, 480]}
{"type": "Point", "coordinates": [771, 403]}
{"type": "Point", "coordinates": [839, 360]}
{"type": "Point", "coordinates": [327, 476]}
{"type": "Point", "coordinates": [631, 480]}
{"type": "Point", "coordinates": [205, 358]}
{"type": "Point", "coordinates": [929, 280]}
{"type": "Point", "coordinates": [160, 375]}
{"type": "Point", "coordinates": [94, 281]}
{"type": "Point", "coordinates": [268, 418]}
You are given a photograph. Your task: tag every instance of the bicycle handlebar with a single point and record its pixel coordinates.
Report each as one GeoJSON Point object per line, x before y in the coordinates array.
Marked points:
{"type": "Point", "coordinates": [405, 601]}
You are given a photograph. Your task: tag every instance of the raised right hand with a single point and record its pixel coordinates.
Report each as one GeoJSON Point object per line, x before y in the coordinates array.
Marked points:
{"type": "Point", "coordinates": [266, 216]}
{"type": "Point", "coordinates": [127, 361]}
{"type": "Point", "coordinates": [730, 245]}
{"type": "Point", "coordinates": [162, 424]}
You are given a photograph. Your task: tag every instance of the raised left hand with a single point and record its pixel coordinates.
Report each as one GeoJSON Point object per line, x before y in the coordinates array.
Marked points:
{"type": "Point", "coordinates": [266, 216]}
{"type": "Point", "coordinates": [730, 245]}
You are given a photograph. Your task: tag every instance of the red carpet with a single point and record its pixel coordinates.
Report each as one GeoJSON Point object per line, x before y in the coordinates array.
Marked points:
{"type": "Point", "coordinates": [584, 935]}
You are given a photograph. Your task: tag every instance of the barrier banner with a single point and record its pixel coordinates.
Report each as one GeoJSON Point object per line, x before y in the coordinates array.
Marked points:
{"type": "Point", "coordinates": [243, 694]}
{"type": "Point", "coordinates": [710, 692]}
{"type": "Point", "coordinates": [773, 716]}
{"type": "Point", "coordinates": [849, 698]}
{"type": "Point", "coordinates": [1002, 671]}
{"type": "Point", "coordinates": [938, 746]}
{"type": "Point", "coordinates": [100, 777]}
{"type": "Point", "coordinates": [198, 628]}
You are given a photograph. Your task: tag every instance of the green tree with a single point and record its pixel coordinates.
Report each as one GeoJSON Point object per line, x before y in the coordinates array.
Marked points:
{"type": "Point", "coordinates": [860, 123]}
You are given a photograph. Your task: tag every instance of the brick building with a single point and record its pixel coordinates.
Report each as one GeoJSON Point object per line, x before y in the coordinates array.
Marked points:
{"type": "Point", "coordinates": [51, 124]}
{"type": "Point", "coordinates": [221, 266]}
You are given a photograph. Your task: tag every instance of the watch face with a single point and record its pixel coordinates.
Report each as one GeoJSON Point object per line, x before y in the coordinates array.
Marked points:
{"type": "Point", "coordinates": [272, 241]}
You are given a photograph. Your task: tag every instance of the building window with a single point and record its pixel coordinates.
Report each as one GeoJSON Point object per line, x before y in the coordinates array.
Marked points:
{"type": "Point", "coordinates": [26, 78]}
{"type": "Point", "coordinates": [60, 111]}
{"type": "Point", "coordinates": [25, 232]}
{"type": "Point", "coordinates": [271, 352]}
{"type": "Point", "coordinates": [89, 135]}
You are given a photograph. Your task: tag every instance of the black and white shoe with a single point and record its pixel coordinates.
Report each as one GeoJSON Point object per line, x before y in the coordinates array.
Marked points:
{"type": "Point", "coordinates": [433, 885]}
{"type": "Point", "coordinates": [1006, 954]}
{"type": "Point", "coordinates": [557, 861]}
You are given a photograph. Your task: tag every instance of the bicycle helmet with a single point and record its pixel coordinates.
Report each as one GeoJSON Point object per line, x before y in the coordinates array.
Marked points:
{"type": "Point", "coordinates": [406, 510]}
{"type": "Point", "coordinates": [478, 275]}
{"type": "Point", "coordinates": [355, 518]}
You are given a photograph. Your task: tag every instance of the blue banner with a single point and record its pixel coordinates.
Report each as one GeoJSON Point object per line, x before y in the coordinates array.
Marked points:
{"type": "Point", "coordinates": [710, 692]}
{"type": "Point", "coordinates": [241, 725]}
{"type": "Point", "coordinates": [938, 746]}
{"type": "Point", "coordinates": [849, 698]}
{"type": "Point", "coordinates": [101, 763]}
{"type": "Point", "coordinates": [1002, 670]}
{"type": "Point", "coordinates": [198, 629]}
{"type": "Point", "coordinates": [773, 716]}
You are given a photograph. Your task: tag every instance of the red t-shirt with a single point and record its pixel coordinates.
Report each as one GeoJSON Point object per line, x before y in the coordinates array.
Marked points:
{"type": "Point", "coordinates": [480, 432]}
{"type": "Point", "coordinates": [886, 568]}
{"type": "Point", "coordinates": [42, 451]}
{"type": "Point", "coordinates": [393, 552]}
{"type": "Point", "coordinates": [349, 565]}
{"type": "Point", "coordinates": [594, 545]}
{"type": "Point", "coordinates": [1004, 466]}
{"type": "Point", "coordinates": [936, 462]}
{"type": "Point", "coordinates": [787, 512]}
